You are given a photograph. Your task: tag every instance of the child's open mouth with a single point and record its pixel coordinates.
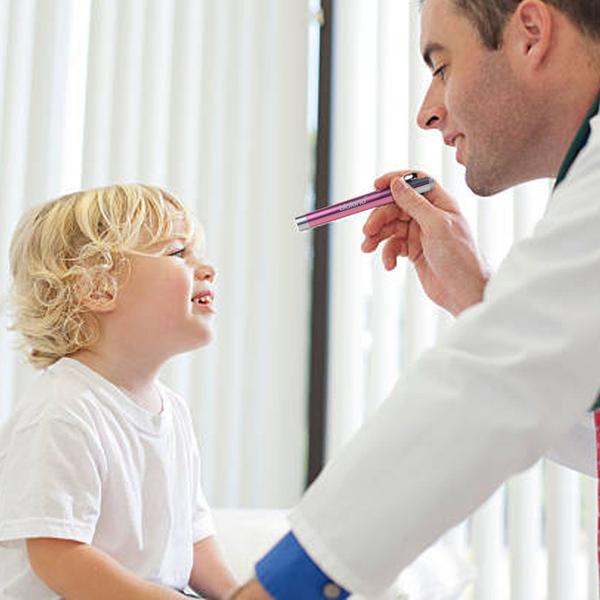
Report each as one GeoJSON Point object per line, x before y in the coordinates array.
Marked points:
{"type": "Point", "coordinates": [203, 298]}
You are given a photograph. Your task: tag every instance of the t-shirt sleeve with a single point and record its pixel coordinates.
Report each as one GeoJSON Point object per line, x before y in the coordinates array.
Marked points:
{"type": "Point", "coordinates": [50, 482]}
{"type": "Point", "coordinates": [202, 521]}
{"type": "Point", "coordinates": [203, 525]}
{"type": "Point", "coordinates": [201, 516]}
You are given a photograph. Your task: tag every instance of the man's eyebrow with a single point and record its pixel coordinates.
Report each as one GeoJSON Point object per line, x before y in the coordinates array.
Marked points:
{"type": "Point", "coordinates": [429, 50]}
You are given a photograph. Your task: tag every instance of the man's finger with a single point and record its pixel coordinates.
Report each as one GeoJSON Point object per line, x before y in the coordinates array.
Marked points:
{"type": "Point", "coordinates": [382, 216]}
{"type": "Point", "coordinates": [413, 203]}
{"type": "Point", "coordinates": [394, 247]}
{"type": "Point", "coordinates": [394, 228]}
{"type": "Point", "coordinates": [415, 248]}
{"type": "Point", "coordinates": [383, 181]}
{"type": "Point", "coordinates": [437, 196]}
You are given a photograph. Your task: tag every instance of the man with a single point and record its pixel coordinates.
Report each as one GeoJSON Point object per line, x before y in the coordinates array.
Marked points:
{"type": "Point", "coordinates": [515, 90]}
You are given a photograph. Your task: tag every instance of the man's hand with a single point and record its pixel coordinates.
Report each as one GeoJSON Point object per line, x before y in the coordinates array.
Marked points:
{"type": "Point", "coordinates": [251, 591]}
{"type": "Point", "coordinates": [433, 234]}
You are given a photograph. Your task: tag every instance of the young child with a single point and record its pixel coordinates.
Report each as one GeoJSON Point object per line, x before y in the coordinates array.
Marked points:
{"type": "Point", "coordinates": [100, 494]}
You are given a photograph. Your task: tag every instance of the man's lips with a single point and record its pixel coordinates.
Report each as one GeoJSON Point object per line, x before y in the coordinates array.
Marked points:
{"type": "Point", "coordinates": [450, 139]}
{"type": "Point", "coordinates": [455, 140]}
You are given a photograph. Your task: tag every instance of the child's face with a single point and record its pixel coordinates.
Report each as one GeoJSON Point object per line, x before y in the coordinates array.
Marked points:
{"type": "Point", "coordinates": [165, 306]}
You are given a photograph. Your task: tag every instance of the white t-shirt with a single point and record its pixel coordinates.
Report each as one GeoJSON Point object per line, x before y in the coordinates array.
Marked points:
{"type": "Point", "coordinates": [79, 460]}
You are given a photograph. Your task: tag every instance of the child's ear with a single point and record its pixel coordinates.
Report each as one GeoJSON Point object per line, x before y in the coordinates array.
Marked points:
{"type": "Point", "coordinates": [96, 301]}
{"type": "Point", "coordinates": [99, 302]}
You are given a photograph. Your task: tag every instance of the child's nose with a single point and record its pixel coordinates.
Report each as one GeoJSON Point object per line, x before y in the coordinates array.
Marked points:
{"type": "Point", "coordinates": [205, 272]}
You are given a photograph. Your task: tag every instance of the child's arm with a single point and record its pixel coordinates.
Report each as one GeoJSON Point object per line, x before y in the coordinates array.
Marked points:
{"type": "Point", "coordinates": [78, 571]}
{"type": "Point", "coordinates": [210, 575]}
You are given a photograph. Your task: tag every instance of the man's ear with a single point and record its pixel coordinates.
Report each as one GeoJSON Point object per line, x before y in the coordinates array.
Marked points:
{"type": "Point", "coordinates": [532, 31]}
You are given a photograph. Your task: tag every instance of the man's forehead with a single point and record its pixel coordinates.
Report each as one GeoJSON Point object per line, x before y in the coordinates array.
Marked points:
{"type": "Point", "coordinates": [432, 28]}
{"type": "Point", "coordinates": [443, 28]}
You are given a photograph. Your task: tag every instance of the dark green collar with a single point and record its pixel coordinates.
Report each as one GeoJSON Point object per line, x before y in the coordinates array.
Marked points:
{"type": "Point", "coordinates": [579, 142]}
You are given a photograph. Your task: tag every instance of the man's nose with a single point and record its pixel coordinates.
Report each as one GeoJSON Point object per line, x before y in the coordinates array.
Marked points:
{"type": "Point", "coordinates": [432, 112]}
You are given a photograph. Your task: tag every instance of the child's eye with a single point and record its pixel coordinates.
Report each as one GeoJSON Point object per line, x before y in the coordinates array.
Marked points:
{"type": "Point", "coordinates": [178, 253]}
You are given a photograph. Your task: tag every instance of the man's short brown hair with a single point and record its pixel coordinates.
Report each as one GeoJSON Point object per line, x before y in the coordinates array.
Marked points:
{"type": "Point", "coordinates": [490, 16]}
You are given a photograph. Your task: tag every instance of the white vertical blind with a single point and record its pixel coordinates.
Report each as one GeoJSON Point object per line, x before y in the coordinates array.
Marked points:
{"type": "Point", "coordinates": [391, 106]}
{"type": "Point", "coordinates": [525, 539]}
{"type": "Point", "coordinates": [18, 20]}
{"type": "Point", "coordinates": [590, 525]}
{"type": "Point", "coordinates": [562, 530]}
{"type": "Point", "coordinates": [352, 163]}
{"type": "Point", "coordinates": [208, 99]}
{"type": "Point", "coordinates": [487, 545]}
{"type": "Point", "coordinates": [535, 537]}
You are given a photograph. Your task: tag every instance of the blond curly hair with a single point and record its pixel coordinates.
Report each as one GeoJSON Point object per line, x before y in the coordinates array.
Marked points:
{"type": "Point", "coordinates": [75, 248]}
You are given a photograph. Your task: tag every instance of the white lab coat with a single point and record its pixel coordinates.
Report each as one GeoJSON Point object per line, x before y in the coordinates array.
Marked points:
{"type": "Point", "coordinates": [511, 379]}
{"type": "Point", "coordinates": [578, 449]}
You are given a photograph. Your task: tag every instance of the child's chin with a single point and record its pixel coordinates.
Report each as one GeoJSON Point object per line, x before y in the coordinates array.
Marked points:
{"type": "Point", "coordinates": [204, 340]}
{"type": "Point", "coordinates": [196, 345]}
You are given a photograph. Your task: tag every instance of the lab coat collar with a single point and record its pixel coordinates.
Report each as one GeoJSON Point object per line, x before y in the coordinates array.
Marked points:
{"type": "Point", "coordinates": [578, 143]}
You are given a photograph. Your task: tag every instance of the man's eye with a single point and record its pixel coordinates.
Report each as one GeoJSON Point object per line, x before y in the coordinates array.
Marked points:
{"type": "Point", "coordinates": [440, 72]}
{"type": "Point", "coordinates": [178, 253]}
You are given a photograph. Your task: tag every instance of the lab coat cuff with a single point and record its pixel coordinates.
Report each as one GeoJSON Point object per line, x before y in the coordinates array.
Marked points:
{"type": "Point", "coordinates": [288, 573]}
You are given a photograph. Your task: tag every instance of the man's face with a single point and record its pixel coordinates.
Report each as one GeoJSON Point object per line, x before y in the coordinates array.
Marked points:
{"type": "Point", "coordinates": [475, 100]}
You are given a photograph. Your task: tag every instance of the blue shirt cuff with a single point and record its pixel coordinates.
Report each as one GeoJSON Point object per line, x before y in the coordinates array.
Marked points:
{"type": "Point", "coordinates": [288, 573]}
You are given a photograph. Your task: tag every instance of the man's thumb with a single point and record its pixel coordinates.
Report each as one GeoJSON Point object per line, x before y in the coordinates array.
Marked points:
{"type": "Point", "coordinates": [412, 203]}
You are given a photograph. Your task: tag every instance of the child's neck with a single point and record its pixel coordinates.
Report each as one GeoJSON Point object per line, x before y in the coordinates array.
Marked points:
{"type": "Point", "coordinates": [135, 380]}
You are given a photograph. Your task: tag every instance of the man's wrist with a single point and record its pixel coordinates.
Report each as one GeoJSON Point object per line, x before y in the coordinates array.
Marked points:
{"type": "Point", "coordinates": [471, 297]}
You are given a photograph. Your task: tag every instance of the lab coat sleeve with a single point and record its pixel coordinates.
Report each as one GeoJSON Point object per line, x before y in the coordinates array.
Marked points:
{"type": "Point", "coordinates": [511, 378]}
{"type": "Point", "coordinates": [577, 450]}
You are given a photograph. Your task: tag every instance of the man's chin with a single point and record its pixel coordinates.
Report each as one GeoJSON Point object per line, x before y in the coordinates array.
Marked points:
{"type": "Point", "coordinates": [484, 185]}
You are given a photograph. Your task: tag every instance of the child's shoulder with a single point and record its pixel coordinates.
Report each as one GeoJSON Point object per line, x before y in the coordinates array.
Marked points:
{"type": "Point", "coordinates": [58, 393]}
